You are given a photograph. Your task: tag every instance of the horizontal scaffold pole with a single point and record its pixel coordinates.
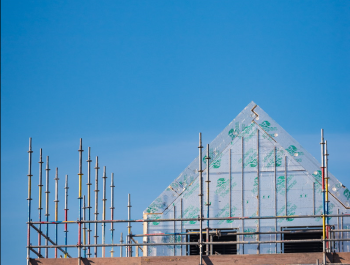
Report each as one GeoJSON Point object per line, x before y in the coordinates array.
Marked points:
{"type": "Point", "coordinates": [213, 232]}
{"type": "Point", "coordinates": [36, 253]}
{"type": "Point", "coordinates": [194, 219]}
{"type": "Point", "coordinates": [195, 243]}
{"type": "Point", "coordinates": [47, 238]}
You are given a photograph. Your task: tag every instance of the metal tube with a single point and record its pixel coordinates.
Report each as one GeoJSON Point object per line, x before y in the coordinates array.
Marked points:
{"type": "Point", "coordinates": [258, 191]}
{"type": "Point", "coordinates": [313, 197]}
{"type": "Point", "coordinates": [129, 227]}
{"type": "Point", "coordinates": [208, 202]}
{"type": "Point", "coordinates": [29, 197]}
{"type": "Point", "coordinates": [228, 233]}
{"type": "Point", "coordinates": [263, 171]}
{"type": "Point", "coordinates": [235, 233]}
{"type": "Point", "coordinates": [89, 198]}
{"type": "Point", "coordinates": [181, 224]}
{"type": "Point", "coordinates": [194, 219]}
{"type": "Point", "coordinates": [104, 210]}
{"type": "Point", "coordinates": [330, 244]}
{"type": "Point", "coordinates": [326, 195]}
{"type": "Point", "coordinates": [214, 233]}
{"type": "Point", "coordinates": [40, 194]}
{"type": "Point", "coordinates": [194, 243]}
{"type": "Point", "coordinates": [126, 247]}
{"type": "Point", "coordinates": [80, 196]}
{"type": "Point", "coordinates": [323, 199]}
{"type": "Point", "coordinates": [174, 231]}
{"type": "Point", "coordinates": [326, 181]}
{"type": "Point", "coordinates": [338, 234]}
{"type": "Point", "coordinates": [341, 234]}
{"type": "Point", "coordinates": [53, 243]}
{"type": "Point", "coordinates": [47, 193]}
{"type": "Point", "coordinates": [333, 243]}
{"type": "Point", "coordinates": [84, 227]}
{"type": "Point", "coordinates": [285, 186]}
{"type": "Point", "coordinates": [112, 210]}
{"type": "Point", "coordinates": [275, 192]}
{"type": "Point", "coordinates": [56, 209]}
{"type": "Point", "coordinates": [96, 203]}
{"type": "Point", "coordinates": [242, 191]}
{"type": "Point", "coordinates": [66, 214]}
{"type": "Point", "coordinates": [121, 243]}
{"type": "Point", "coordinates": [230, 183]}
{"type": "Point", "coordinates": [36, 253]}
{"type": "Point", "coordinates": [200, 200]}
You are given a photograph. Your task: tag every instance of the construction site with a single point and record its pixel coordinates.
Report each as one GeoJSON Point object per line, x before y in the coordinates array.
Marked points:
{"type": "Point", "coordinates": [253, 195]}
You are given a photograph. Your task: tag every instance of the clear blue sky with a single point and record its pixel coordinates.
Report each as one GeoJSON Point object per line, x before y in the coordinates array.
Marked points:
{"type": "Point", "coordinates": [137, 80]}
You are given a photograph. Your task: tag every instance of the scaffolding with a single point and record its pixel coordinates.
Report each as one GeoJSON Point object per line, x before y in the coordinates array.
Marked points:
{"type": "Point", "coordinates": [176, 224]}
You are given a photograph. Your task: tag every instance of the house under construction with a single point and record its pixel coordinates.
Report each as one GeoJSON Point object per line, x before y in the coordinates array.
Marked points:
{"type": "Point", "coordinates": [252, 190]}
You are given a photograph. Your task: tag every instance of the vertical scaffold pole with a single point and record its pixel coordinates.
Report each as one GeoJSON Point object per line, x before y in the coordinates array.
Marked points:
{"type": "Point", "coordinates": [104, 211]}
{"type": "Point", "coordinates": [208, 202]}
{"type": "Point", "coordinates": [112, 211]}
{"type": "Point", "coordinates": [126, 247]}
{"type": "Point", "coordinates": [121, 242]}
{"type": "Point", "coordinates": [338, 234]}
{"type": "Point", "coordinates": [66, 214]}
{"type": "Point", "coordinates": [174, 228]}
{"type": "Point", "coordinates": [323, 199]}
{"type": "Point", "coordinates": [341, 233]}
{"type": "Point", "coordinates": [40, 195]}
{"type": "Point", "coordinates": [47, 193]}
{"type": "Point", "coordinates": [80, 174]}
{"type": "Point", "coordinates": [129, 227]}
{"type": "Point", "coordinates": [96, 203]}
{"type": "Point", "coordinates": [29, 197]}
{"type": "Point", "coordinates": [275, 193]}
{"type": "Point", "coordinates": [285, 187]}
{"type": "Point", "coordinates": [258, 188]}
{"type": "Point", "coordinates": [326, 191]}
{"type": "Point", "coordinates": [200, 200]}
{"type": "Point", "coordinates": [89, 198]}
{"type": "Point", "coordinates": [242, 190]}
{"type": "Point", "coordinates": [230, 183]}
{"type": "Point", "coordinates": [84, 227]}
{"type": "Point", "coordinates": [56, 210]}
{"type": "Point", "coordinates": [181, 226]}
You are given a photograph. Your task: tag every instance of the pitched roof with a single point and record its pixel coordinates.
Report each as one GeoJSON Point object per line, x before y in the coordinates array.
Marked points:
{"type": "Point", "coordinates": [252, 116]}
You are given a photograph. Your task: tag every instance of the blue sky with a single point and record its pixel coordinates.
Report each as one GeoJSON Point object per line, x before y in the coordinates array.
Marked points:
{"type": "Point", "coordinates": [137, 80]}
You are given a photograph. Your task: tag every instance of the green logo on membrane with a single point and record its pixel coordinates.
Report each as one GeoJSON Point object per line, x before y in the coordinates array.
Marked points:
{"type": "Point", "coordinates": [293, 151]}
{"type": "Point", "coordinates": [216, 163]}
{"type": "Point", "coordinates": [155, 206]}
{"type": "Point", "coordinates": [234, 132]}
{"type": "Point", "coordinates": [223, 186]}
{"type": "Point", "coordinates": [269, 159]}
{"type": "Point", "coordinates": [250, 158]}
{"type": "Point", "coordinates": [247, 131]}
{"type": "Point", "coordinates": [347, 193]}
{"type": "Point", "coordinates": [266, 125]}
{"type": "Point", "coordinates": [281, 184]}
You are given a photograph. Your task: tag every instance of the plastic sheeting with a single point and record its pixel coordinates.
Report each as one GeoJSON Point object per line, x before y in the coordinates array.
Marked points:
{"type": "Point", "coordinates": [270, 174]}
